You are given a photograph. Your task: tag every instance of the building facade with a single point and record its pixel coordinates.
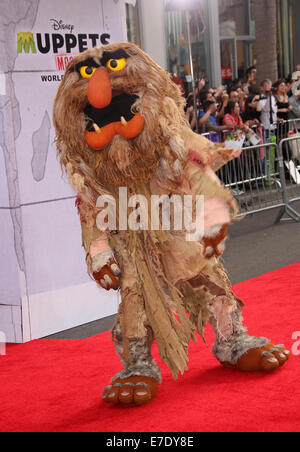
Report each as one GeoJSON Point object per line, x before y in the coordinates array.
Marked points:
{"type": "Point", "coordinates": [288, 19]}
{"type": "Point", "coordinates": [222, 34]}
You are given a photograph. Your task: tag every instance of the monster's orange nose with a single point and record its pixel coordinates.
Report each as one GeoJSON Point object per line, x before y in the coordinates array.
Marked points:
{"type": "Point", "coordinates": [99, 90]}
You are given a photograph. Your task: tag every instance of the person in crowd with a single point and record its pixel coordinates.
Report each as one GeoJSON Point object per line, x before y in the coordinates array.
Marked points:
{"type": "Point", "coordinates": [294, 102]}
{"type": "Point", "coordinates": [237, 83]}
{"type": "Point", "coordinates": [179, 82]}
{"type": "Point", "coordinates": [233, 118]}
{"type": "Point", "coordinates": [282, 99]}
{"type": "Point", "coordinates": [242, 95]}
{"type": "Point", "coordinates": [252, 111]}
{"type": "Point", "coordinates": [191, 116]}
{"type": "Point", "coordinates": [290, 81]}
{"type": "Point", "coordinates": [289, 84]}
{"type": "Point", "coordinates": [206, 95]}
{"type": "Point", "coordinates": [294, 96]}
{"type": "Point", "coordinates": [252, 114]}
{"type": "Point", "coordinates": [251, 75]}
{"type": "Point", "coordinates": [214, 92]}
{"type": "Point", "coordinates": [269, 119]}
{"type": "Point", "coordinates": [208, 121]}
{"type": "Point", "coordinates": [200, 86]}
{"type": "Point", "coordinates": [222, 101]}
{"type": "Point", "coordinates": [190, 113]}
{"type": "Point", "coordinates": [233, 95]}
{"type": "Point", "coordinates": [238, 95]}
{"type": "Point", "coordinates": [269, 108]}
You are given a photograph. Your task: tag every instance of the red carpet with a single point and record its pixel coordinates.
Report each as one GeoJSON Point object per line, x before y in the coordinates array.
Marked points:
{"type": "Point", "coordinates": [55, 385]}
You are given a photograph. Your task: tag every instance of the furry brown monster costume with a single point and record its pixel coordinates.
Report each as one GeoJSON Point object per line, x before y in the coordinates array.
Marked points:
{"type": "Point", "coordinates": [120, 123]}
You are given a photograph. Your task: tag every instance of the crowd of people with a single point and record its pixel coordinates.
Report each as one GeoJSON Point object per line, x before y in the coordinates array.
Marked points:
{"type": "Point", "coordinates": [244, 104]}
{"type": "Point", "coordinates": [248, 111]}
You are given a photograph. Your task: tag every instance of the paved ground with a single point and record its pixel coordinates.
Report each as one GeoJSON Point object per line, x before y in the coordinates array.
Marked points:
{"type": "Point", "coordinates": [256, 246]}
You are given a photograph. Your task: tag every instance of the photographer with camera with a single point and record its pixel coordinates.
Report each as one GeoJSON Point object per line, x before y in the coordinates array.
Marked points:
{"type": "Point", "coordinates": [269, 109]}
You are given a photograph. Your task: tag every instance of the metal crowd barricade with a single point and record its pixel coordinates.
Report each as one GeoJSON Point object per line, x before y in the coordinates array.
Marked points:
{"type": "Point", "coordinates": [255, 184]}
{"type": "Point", "coordinates": [289, 156]}
{"type": "Point", "coordinates": [267, 175]}
{"type": "Point", "coordinates": [286, 128]}
{"type": "Point", "coordinates": [220, 137]}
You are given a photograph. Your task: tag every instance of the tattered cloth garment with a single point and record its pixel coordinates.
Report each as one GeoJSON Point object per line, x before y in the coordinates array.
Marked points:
{"type": "Point", "coordinates": [154, 264]}
{"type": "Point", "coordinates": [151, 300]}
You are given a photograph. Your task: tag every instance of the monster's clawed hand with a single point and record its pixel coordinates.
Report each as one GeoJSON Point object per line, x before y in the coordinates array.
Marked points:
{"type": "Point", "coordinates": [108, 275]}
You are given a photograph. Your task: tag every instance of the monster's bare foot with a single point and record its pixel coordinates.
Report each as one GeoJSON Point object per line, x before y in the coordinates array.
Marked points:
{"type": "Point", "coordinates": [131, 391]}
{"type": "Point", "coordinates": [264, 359]}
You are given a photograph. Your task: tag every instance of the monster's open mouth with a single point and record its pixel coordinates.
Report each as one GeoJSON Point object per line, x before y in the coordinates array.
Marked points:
{"type": "Point", "coordinates": [120, 107]}
{"type": "Point", "coordinates": [117, 118]}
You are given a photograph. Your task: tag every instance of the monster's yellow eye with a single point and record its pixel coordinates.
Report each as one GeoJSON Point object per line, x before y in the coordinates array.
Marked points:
{"type": "Point", "coordinates": [87, 71]}
{"type": "Point", "coordinates": [116, 65]}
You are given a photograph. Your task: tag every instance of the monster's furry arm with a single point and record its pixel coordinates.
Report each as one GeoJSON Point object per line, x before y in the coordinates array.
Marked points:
{"type": "Point", "coordinates": [210, 154]}
{"type": "Point", "coordinates": [204, 158]}
{"type": "Point", "coordinates": [99, 256]}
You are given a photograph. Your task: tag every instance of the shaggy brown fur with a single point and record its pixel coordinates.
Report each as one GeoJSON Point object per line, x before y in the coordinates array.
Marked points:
{"type": "Point", "coordinates": [156, 160]}
{"type": "Point", "coordinates": [160, 103]}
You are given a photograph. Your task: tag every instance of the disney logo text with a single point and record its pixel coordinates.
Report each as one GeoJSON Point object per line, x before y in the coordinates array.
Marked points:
{"type": "Point", "coordinates": [59, 25]}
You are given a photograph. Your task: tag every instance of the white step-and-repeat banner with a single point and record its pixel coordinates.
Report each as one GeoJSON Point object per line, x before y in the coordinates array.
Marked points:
{"type": "Point", "coordinates": [44, 287]}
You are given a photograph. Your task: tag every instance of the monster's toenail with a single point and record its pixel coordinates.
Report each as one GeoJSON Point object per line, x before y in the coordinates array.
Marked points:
{"type": "Point", "coordinates": [286, 352]}
{"type": "Point", "coordinates": [272, 360]}
{"type": "Point", "coordinates": [112, 395]}
{"type": "Point", "coordinates": [141, 393]}
{"type": "Point", "coordinates": [125, 393]}
{"type": "Point", "coordinates": [281, 355]}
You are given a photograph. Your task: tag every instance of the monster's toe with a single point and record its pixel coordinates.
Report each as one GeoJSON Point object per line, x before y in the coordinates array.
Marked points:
{"type": "Point", "coordinates": [131, 391]}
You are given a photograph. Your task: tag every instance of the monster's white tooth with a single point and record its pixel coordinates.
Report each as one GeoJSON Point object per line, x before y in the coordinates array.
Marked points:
{"type": "Point", "coordinates": [123, 121]}
{"type": "Point", "coordinates": [97, 128]}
